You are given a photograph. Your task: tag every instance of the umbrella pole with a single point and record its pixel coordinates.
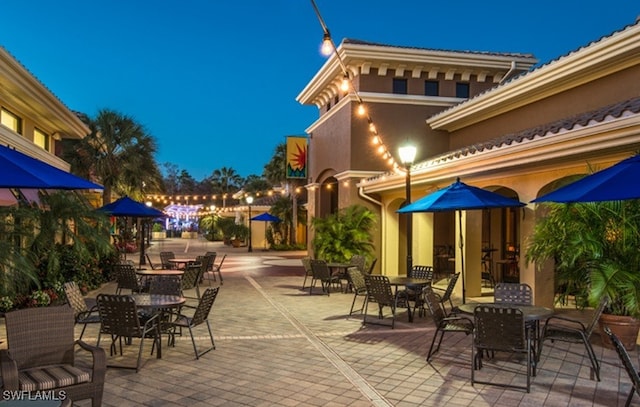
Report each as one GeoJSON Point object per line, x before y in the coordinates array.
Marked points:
{"type": "Point", "coordinates": [461, 244]}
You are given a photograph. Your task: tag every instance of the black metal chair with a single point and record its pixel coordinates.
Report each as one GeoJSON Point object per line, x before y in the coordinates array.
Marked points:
{"type": "Point", "coordinates": [191, 278]}
{"type": "Point", "coordinates": [127, 279]}
{"type": "Point", "coordinates": [513, 293]}
{"type": "Point", "coordinates": [308, 272]}
{"type": "Point", "coordinates": [322, 274]}
{"type": "Point", "coordinates": [120, 319]}
{"type": "Point", "coordinates": [359, 287]}
{"type": "Point", "coordinates": [379, 292]}
{"type": "Point", "coordinates": [565, 329]}
{"type": "Point", "coordinates": [447, 293]}
{"type": "Point", "coordinates": [200, 316]}
{"type": "Point", "coordinates": [501, 329]}
{"type": "Point", "coordinates": [217, 268]}
{"type": "Point", "coordinates": [371, 266]}
{"type": "Point", "coordinates": [166, 285]}
{"type": "Point", "coordinates": [209, 274]}
{"type": "Point", "coordinates": [443, 322]}
{"type": "Point", "coordinates": [84, 312]}
{"type": "Point", "coordinates": [164, 260]}
{"type": "Point", "coordinates": [626, 362]}
{"type": "Point", "coordinates": [414, 293]}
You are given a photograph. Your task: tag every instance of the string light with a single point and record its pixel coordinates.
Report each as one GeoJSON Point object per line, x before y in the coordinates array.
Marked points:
{"type": "Point", "coordinates": [329, 47]}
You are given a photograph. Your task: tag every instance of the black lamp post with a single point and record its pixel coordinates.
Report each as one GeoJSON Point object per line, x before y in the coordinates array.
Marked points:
{"type": "Point", "coordinates": [407, 155]}
{"type": "Point", "coordinates": [249, 200]}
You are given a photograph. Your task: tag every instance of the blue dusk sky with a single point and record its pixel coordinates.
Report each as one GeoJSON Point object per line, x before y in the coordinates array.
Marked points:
{"type": "Point", "coordinates": [215, 81]}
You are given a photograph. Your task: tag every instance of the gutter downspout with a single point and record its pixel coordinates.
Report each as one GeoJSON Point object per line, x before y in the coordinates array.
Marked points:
{"type": "Point", "coordinates": [509, 72]}
{"type": "Point", "coordinates": [361, 194]}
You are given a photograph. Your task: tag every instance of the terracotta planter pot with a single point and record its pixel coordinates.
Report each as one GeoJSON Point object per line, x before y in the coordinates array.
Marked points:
{"type": "Point", "coordinates": [625, 328]}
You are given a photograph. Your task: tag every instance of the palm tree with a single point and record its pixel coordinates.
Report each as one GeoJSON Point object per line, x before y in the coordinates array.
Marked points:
{"type": "Point", "coordinates": [225, 180]}
{"type": "Point", "coordinates": [118, 152]}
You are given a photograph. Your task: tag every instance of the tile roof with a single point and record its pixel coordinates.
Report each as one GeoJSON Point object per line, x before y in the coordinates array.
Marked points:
{"type": "Point", "coordinates": [603, 114]}
{"type": "Point", "coordinates": [376, 44]}
{"type": "Point", "coordinates": [537, 68]}
{"type": "Point", "coordinates": [606, 113]}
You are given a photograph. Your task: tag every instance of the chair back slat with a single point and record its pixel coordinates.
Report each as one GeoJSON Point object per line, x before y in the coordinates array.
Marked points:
{"type": "Point", "coordinates": [74, 298]}
{"type": "Point", "coordinates": [357, 280]}
{"type": "Point", "coordinates": [358, 261]}
{"type": "Point", "coordinates": [166, 285]}
{"type": "Point", "coordinates": [596, 316]}
{"type": "Point", "coordinates": [306, 264]}
{"type": "Point", "coordinates": [499, 328]}
{"type": "Point", "coordinates": [191, 275]}
{"type": "Point", "coordinates": [320, 269]}
{"type": "Point", "coordinates": [164, 257]}
{"type": "Point", "coordinates": [379, 290]}
{"type": "Point", "coordinates": [204, 306]}
{"type": "Point", "coordinates": [435, 306]}
{"type": "Point", "coordinates": [41, 336]}
{"type": "Point", "coordinates": [446, 296]}
{"type": "Point", "coordinates": [423, 272]}
{"type": "Point", "coordinates": [372, 266]}
{"type": "Point", "coordinates": [513, 293]}
{"type": "Point", "coordinates": [212, 259]}
{"type": "Point", "coordinates": [126, 278]}
{"type": "Point", "coordinates": [118, 315]}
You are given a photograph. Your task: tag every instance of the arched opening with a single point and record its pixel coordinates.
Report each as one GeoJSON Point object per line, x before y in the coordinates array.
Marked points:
{"type": "Point", "coordinates": [328, 197]}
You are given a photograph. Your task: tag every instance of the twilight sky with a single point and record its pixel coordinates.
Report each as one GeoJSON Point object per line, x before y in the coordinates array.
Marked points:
{"type": "Point", "coordinates": [215, 81]}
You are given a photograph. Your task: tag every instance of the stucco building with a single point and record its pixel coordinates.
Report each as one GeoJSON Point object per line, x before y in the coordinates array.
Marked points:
{"type": "Point", "coordinates": [33, 120]}
{"type": "Point", "coordinates": [520, 131]}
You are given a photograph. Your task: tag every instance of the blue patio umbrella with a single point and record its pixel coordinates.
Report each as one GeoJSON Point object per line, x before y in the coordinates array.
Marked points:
{"type": "Point", "coordinates": [127, 207]}
{"type": "Point", "coordinates": [460, 197]}
{"type": "Point", "coordinates": [22, 171]}
{"type": "Point", "coordinates": [616, 183]}
{"type": "Point", "coordinates": [266, 217]}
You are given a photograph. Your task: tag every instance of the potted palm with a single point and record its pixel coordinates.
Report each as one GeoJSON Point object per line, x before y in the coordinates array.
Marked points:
{"type": "Point", "coordinates": [341, 235]}
{"type": "Point", "coordinates": [595, 250]}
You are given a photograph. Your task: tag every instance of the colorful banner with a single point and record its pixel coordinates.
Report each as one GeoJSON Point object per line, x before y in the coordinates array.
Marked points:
{"type": "Point", "coordinates": [296, 157]}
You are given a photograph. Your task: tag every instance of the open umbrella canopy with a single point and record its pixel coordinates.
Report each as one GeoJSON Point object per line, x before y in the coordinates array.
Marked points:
{"type": "Point", "coordinates": [460, 196]}
{"type": "Point", "coordinates": [21, 171]}
{"type": "Point", "coordinates": [126, 206]}
{"type": "Point", "coordinates": [266, 217]}
{"type": "Point", "coordinates": [616, 183]}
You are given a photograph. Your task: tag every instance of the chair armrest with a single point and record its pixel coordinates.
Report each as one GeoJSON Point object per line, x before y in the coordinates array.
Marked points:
{"type": "Point", "coordinates": [564, 319]}
{"type": "Point", "coordinates": [99, 361]}
{"type": "Point", "coordinates": [9, 371]}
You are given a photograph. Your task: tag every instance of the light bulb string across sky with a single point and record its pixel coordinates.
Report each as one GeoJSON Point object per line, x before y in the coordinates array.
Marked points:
{"type": "Point", "coordinates": [376, 139]}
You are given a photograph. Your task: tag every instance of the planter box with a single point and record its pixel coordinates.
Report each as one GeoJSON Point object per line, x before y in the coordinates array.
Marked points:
{"type": "Point", "coordinates": [158, 235]}
{"type": "Point", "coordinates": [189, 235]}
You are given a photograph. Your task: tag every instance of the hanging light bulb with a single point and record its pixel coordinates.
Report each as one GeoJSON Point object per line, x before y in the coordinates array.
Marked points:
{"type": "Point", "coordinates": [375, 140]}
{"type": "Point", "coordinates": [361, 110]}
{"type": "Point", "coordinates": [327, 46]}
{"type": "Point", "coordinates": [381, 149]}
{"type": "Point", "coordinates": [344, 85]}
{"type": "Point", "coordinates": [372, 127]}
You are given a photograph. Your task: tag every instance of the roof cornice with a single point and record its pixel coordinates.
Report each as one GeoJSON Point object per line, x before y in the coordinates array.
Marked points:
{"type": "Point", "coordinates": [611, 54]}
{"type": "Point", "coordinates": [26, 92]}
{"type": "Point", "coordinates": [360, 58]}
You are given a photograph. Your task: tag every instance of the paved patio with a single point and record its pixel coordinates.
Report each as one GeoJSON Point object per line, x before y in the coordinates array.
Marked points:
{"type": "Point", "coordinates": [276, 345]}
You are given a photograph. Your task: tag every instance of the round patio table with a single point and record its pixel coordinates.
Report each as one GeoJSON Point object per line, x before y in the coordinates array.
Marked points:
{"type": "Point", "coordinates": [414, 283]}
{"type": "Point", "coordinates": [160, 272]}
{"type": "Point", "coordinates": [158, 303]}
